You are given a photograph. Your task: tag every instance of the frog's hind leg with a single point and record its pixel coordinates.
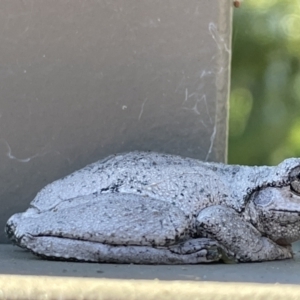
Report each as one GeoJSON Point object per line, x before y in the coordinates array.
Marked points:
{"type": "Point", "coordinates": [202, 251]}
{"type": "Point", "coordinates": [123, 228]}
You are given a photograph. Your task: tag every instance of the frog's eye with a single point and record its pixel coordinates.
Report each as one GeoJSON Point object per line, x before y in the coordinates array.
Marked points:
{"type": "Point", "coordinates": [295, 185]}
{"type": "Point", "coordinates": [295, 180]}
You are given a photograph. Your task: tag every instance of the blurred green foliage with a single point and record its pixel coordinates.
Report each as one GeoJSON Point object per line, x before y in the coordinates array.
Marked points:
{"type": "Point", "coordinates": [264, 124]}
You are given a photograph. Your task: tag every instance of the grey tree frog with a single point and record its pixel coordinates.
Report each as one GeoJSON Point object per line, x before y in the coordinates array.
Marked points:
{"type": "Point", "coordinates": [150, 208]}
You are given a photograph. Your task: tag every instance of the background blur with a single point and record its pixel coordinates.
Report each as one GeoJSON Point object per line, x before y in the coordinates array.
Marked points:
{"type": "Point", "coordinates": [265, 88]}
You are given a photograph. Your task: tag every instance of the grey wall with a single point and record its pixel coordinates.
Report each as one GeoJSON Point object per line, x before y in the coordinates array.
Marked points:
{"type": "Point", "coordinates": [83, 79]}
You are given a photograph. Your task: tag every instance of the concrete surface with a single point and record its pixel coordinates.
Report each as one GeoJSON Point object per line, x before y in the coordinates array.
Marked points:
{"type": "Point", "coordinates": [81, 80]}
{"type": "Point", "coordinates": [14, 260]}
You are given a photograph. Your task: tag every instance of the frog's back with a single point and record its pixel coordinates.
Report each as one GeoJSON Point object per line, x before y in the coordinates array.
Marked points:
{"type": "Point", "coordinates": [187, 183]}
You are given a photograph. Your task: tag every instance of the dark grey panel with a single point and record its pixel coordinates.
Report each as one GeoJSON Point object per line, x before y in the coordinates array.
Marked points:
{"type": "Point", "coordinates": [83, 79]}
{"type": "Point", "coordinates": [14, 260]}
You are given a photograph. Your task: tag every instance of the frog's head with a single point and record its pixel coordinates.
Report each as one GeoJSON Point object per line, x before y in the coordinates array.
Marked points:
{"type": "Point", "coordinates": [274, 209]}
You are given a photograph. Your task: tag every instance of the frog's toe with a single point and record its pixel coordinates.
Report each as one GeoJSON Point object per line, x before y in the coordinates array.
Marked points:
{"type": "Point", "coordinates": [209, 249]}
{"type": "Point", "coordinates": [10, 231]}
{"type": "Point", "coordinates": [214, 254]}
{"type": "Point", "coordinates": [227, 258]}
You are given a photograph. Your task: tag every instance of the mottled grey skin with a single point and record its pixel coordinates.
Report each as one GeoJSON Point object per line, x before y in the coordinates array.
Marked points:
{"type": "Point", "coordinates": [162, 209]}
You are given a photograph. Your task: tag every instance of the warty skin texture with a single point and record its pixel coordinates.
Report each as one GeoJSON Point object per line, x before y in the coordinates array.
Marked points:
{"type": "Point", "coordinates": [151, 208]}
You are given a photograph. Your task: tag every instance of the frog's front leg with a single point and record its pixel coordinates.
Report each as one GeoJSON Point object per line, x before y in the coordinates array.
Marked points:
{"type": "Point", "coordinates": [241, 239]}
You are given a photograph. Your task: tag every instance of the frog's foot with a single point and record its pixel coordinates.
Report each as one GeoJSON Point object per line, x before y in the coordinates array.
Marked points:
{"type": "Point", "coordinates": [215, 251]}
{"type": "Point", "coordinates": [191, 252]}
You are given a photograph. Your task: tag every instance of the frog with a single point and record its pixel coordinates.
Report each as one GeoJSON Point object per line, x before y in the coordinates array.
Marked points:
{"type": "Point", "coordinates": [156, 208]}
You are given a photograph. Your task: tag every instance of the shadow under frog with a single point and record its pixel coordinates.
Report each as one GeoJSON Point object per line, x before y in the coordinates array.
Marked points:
{"type": "Point", "coordinates": [151, 208]}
